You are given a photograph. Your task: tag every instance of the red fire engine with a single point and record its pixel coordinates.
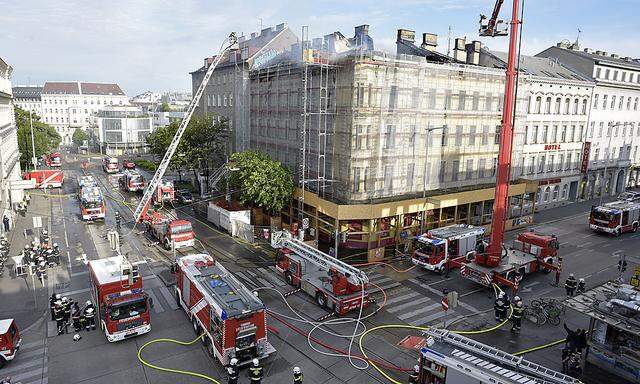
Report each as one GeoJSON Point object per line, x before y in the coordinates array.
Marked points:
{"type": "Point", "coordinates": [231, 317]}
{"type": "Point", "coordinates": [110, 164]}
{"type": "Point", "coordinates": [9, 340]}
{"type": "Point", "coordinates": [45, 178]}
{"type": "Point", "coordinates": [434, 249]}
{"type": "Point", "coordinates": [92, 204]}
{"type": "Point", "coordinates": [132, 181]}
{"type": "Point", "coordinates": [170, 233]}
{"type": "Point", "coordinates": [333, 283]}
{"type": "Point", "coordinates": [122, 304]}
{"type": "Point", "coordinates": [165, 193]}
{"type": "Point", "coordinates": [53, 160]}
{"type": "Point", "coordinates": [615, 218]}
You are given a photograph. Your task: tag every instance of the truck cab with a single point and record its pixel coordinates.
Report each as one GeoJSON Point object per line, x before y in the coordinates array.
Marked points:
{"type": "Point", "coordinates": [434, 249]}
{"type": "Point", "coordinates": [9, 340]}
{"type": "Point", "coordinates": [110, 164]}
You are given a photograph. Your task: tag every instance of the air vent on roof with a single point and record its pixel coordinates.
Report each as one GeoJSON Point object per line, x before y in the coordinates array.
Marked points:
{"type": "Point", "coordinates": [626, 58]}
{"type": "Point", "coordinates": [615, 56]}
{"type": "Point", "coordinates": [605, 53]}
{"type": "Point", "coordinates": [588, 50]}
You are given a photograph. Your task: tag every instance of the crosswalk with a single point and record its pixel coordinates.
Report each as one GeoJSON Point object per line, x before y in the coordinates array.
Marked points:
{"type": "Point", "coordinates": [30, 366]}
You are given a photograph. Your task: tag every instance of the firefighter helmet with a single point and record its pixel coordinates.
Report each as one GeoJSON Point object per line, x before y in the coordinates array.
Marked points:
{"type": "Point", "coordinates": [88, 302]}
{"type": "Point", "coordinates": [296, 370]}
{"type": "Point", "coordinates": [516, 298]}
{"type": "Point", "coordinates": [416, 368]}
{"type": "Point", "coordinates": [256, 362]}
{"type": "Point", "coordinates": [233, 361]}
{"type": "Point", "coordinates": [519, 304]}
{"type": "Point", "coordinates": [58, 296]}
{"type": "Point", "coordinates": [582, 280]}
{"type": "Point", "coordinates": [501, 295]}
{"type": "Point", "coordinates": [571, 274]}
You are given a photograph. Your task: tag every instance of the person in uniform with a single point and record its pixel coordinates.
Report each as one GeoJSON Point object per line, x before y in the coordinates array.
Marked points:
{"type": "Point", "coordinates": [233, 372]}
{"type": "Point", "coordinates": [66, 311]}
{"type": "Point", "coordinates": [516, 316]}
{"type": "Point", "coordinates": [59, 316]}
{"type": "Point", "coordinates": [76, 315]}
{"type": "Point", "coordinates": [581, 286]}
{"type": "Point", "coordinates": [89, 315]}
{"type": "Point", "coordinates": [297, 375]}
{"type": "Point", "coordinates": [255, 372]}
{"type": "Point", "coordinates": [500, 307]}
{"type": "Point", "coordinates": [570, 285]}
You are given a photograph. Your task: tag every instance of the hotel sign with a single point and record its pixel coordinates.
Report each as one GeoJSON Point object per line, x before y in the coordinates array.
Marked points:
{"type": "Point", "coordinates": [586, 151]}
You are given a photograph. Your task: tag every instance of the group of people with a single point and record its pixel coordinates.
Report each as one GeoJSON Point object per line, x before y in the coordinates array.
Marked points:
{"type": "Point", "coordinates": [575, 343]}
{"type": "Point", "coordinates": [256, 372]}
{"type": "Point", "coordinates": [40, 255]}
{"type": "Point", "coordinates": [501, 309]}
{"type": "Point", "coordinates": [573, 286]}
{"type": "Point", "coordinates": [66, 312]}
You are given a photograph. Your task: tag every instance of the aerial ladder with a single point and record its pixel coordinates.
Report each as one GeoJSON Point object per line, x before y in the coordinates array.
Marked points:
{"type": "Point", "coordinates": [333, 283]}
{"type": "Point", "coordinates": [140, 214]}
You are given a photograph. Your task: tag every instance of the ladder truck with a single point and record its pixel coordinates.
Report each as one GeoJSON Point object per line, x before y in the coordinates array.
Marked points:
{"type": "Point", "coordinates": [448, 358]}
{"type": "Point", "coordinates": [172, 234]}
{"type": "Point", "coordinates": [165, 193]}
{"type": "Point", "coordinates": [92, 204]}
{"type": "Point", "coordinates": [493, 263]}
{"type": "Point", "coordinates": [231, 317]}
{"type": "Point", "coordinates": [332, 283]}
{"type": "Point", "coordinates": [141, 213]}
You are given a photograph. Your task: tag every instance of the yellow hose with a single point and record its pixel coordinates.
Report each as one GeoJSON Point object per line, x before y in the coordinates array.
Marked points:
{"type": "Point", "coordinates": [173, 370]}
{"type": "Point", "coordinates": [539, 347]}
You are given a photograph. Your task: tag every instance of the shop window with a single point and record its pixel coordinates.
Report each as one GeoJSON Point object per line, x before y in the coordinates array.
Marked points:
{"type": "Point", "coordinates": [487, 212]}
{"type": "Point", "coordinates": [547, 194]}
{"type": "Point", "coordinates": [556, 190]}
{"type": "Point", "coordinates": [565, 188]}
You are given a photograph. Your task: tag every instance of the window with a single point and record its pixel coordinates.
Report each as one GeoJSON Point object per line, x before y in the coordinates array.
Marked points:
{"type": "Point", "coordinates": [568, 167]}
{"type": "Point", "coordinates": [631, 77]}
{"type": "Point", "coordinates": [567, 106]}
{"type": "Point", "coordinates": [443, 138]}
{"type": "Point", "coordinates": [547, 106]}
{"type": "Point", "coordinates": [469, 173]}
{"type": "Point", "coordinates": [475, 101]}
{"type": "Point", "coordinates": [462, 100]}
{"type": "Point", "coordinates": [485, 135]}
{"type": "Point", "coordinates": [606, 74]}
{"type": "Point", "coordinates": [497, 135]}
{"type": "Point", "coordinates": [595, 101]}
{"type": "Point", "coordinates": [563, 134]}
{"type": "Point", "coordinates": [620, 103]}
{"type": "Point", "coordinates": [551, 163]}
{"type": "Point", "coordinates": [532, 165]}
{"type": "Point", "coordinates": [538, 105]}
{"type": "Point", "coordinates": [534, 139]}
{"type": "Point", "coordinates": [224, 101]}
{"type": "Point", "coordinates": [557, 106]}
{"type": "Point", "coordinates": [455, 170]}
{"type": "Point", "coordinates": [615, 75]}
{"type": "Point", "coordinates": [580, 133]}
{"type": "Point", "coordinates": [596, 154]}
{"type": "Point", "coordinates": [629, 104]}
{"type": "Point", "coordinates": [357, 142]}
{"type": "Point", "coordinates": [600, 129]}
{"type": "Point", "coordinates": [556, 189]}
{"type": "Point", "coordinates": [482, 165]}
{"type": "Point", "coordinates": [604, 101]}
{"type": "Point", "coordinates": [613, 102]}
{"type": "Point", "coordinates": [431, 97]}
{"type": "Point", "coordinates": [412, 136]}
{"type": "Point", "coordinates": [598, 72]}
{"type": "Point", "coordinates": [572, 136]}
{"type": "Point", "coordinates": [389, 137]}
{"type": "Point", "coordinates": [494, 167]}
{"type": "Point", "coordinates": [635, 104]}
{"type": "Point", "coordinates": [560, 161]}
{"type": "Point", "coordinates": [584, 107]}
{"type": "Point", "coordinates": [441, 171]}
{"type": "Point", "coordinates": [410, 171]}
{"type": "Point", "coordinates": [616, 131]}
{"type": "Point", "coordinates": [554, 134]}
{"type": "Point", "coordinates": [415, 98]}
{"type": "Point", "coordinates": [356, 180]}
{"type": "Point", "coordinates": [624, 129]}
{"type": "Point", "coordinates": [526, 134]}
{"type": "Point", "coordinates": [624, 76]}
{"type": "Point", "coordinates": [472, 135]}
{"type": "Point", "coordinates": [541, 163]}
{"type": "Point", "coordinates": [576, 102]}
{"type": "Point", "coordinates": [458, 135]}
{"type": "Point", "coordinates": [231, 99]}
{"type": "Point", "coordinates": [545, 134]}
{"type": "Point", "coordinates": [393, 97]}
{"type": "Point", "coordinates": [388, 177]}
{"type": "Point", "coordinates": [447, 99]}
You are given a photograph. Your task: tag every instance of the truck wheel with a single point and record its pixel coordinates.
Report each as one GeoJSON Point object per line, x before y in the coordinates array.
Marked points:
{"type": "Point", "coordinates": [196, 326]}
{"type": "Point", "coordinates": [321, 299]}
{"type": "Point", "coordinates": [618, 233]}
{"type": "Point", "coordinates": [167, 245]}
{"type": "Point", "coordinates": [635, 227]}
{"type": "Point", "coordinates": [289, 278]}
{"type": "Point", "coordinates": [208, 345]}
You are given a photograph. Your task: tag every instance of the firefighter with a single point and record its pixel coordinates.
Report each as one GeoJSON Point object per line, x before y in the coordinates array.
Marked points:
{"type": "Point", "coordinates": [255, 372]}
{"type": "Point", "coordinates": [66, 311]}
{"type": "Point", "coordinates": [570, 285]}
{"type": "Point", "coordinates": [415, 375]}
{"type": "Point", "coordinates": [59, 316]}
{"type": "Point", "coordinates": [581, 286]}
{"type": "Point", "coordinates": [52, 304]}
{"type": "Point", "coordinates": [76, 315]}
{"type": "Point", "coordinates": [516, 316]}
{"type": "Point", "coordinates": [500, 306]}
{"type": "Point", "coordinates": [89, 315]}
{"type": "Point", "coordinates": [297, 375]}
{"type": "Point", "coordinates": [233, 372]}
{"type": "Point", "coordinates": [41, 271]}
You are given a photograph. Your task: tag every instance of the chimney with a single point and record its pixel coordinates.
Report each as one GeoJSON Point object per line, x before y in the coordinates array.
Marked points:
{"type": "Point", "coordinates": [266, 32]}
{"type": "Point", "coordinates": [588, 50]}
{"type": "Point", "coordinates": [615, 56]}
{"type": "Point", "coordinates": [626, 58]}
{"type": "Point", "coordinates": [407, 36]}
{"type": "Point", "coordinates": [429, 41]}
{"type": "Point", "coordinates": [605, 53]}
{"type": "Point", "coordinates": [280, 27]}
{"type": "Point", "coordinates": [599, 53]}
{"type": "Point", "coordinates": [361, 30]}
{"type": "Point", "coordinates": [563, 44]}
{"type": "Point", "coordinates": [473, 52]}
{"type": "Point", "coordinates": [459, 50]}
{"type": "Point", "coordinates": [253, 35]}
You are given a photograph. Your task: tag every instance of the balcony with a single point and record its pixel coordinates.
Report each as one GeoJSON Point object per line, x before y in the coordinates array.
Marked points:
{"type": "Point", "coordinates": [610, 163]}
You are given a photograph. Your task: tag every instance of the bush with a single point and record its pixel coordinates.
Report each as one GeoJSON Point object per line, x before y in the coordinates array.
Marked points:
{"type": "Point", "coordinates": [146, 164]}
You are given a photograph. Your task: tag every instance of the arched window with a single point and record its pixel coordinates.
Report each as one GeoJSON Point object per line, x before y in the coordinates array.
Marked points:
{"type": "Point", "coordinates": [564, 191]}
{"type": "Point", "coordinates": [556, 190]}
{"type": "Point", "coordinates": [547, 192]}
{"type": "Point", "coordinates": [538, 105]}
{"type": "Point", "coordinates": [567, 105]}
{"type": "Point", "coordinates": [584, 106]}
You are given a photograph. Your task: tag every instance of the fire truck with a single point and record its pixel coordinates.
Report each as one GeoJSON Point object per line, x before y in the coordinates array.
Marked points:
{"type": "Point", "coordinates": [122, 304]}
{"type": "Point", "coordinates": [132, 181]}
{"type": "Point", "coordinates": [165, 193]}
{"type": "Point", "coordinates": [434, 249]}
{"type": "Point", "coordinates": [332, 283]}
{"type": "Point", "coordinates": [615, 218]}
{"type": "Point", "coordinates": [45, 178]}
{"type": "Point", "coordinates": [172, 234]}
{"type": "Point", "coordinates": [53, 160]}
{"type": "Point", "coordinates": [231, 317]}
{"type": "Point", "coordinates": [9, 340]}
{"type": "Point", "coordinates": [92, 204]}
{"type": "Point", "coordinates": [110, 164]}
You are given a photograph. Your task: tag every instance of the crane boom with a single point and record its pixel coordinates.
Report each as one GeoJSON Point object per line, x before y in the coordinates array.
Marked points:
{"type": "Point", "coordinates": [142, 207]}
{"type": "Point", "coordinates": [490, 28]}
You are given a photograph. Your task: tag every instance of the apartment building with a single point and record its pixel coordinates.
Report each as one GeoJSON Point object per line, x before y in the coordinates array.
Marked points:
{"type": "Point", "coordinates": [10, 191]}
{"type": "Point", "coordinates": [70, 105]}
{"type": "Point", "coordinates": [613, 132]}
{"type": "Point", "coordinates": [123, 129]}
{"type": "Point", "coordinates": [28, 98]}
{"type": "Point", "coordinates": [227, 95]}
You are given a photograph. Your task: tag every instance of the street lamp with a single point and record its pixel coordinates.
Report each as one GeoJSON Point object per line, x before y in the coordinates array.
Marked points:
{"type": "Point", "coordinates": [33, 144]}
{"type": "Point", "coordinates": [604, 186]}
{"type": "Point", "coordinates": [424, 175]}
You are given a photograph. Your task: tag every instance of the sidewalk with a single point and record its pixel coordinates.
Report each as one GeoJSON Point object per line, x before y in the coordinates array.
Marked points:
{"type": "Point", "coordinates": [554, 214]}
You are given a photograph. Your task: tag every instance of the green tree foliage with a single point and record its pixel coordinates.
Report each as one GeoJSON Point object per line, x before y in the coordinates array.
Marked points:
{"type": "Point", "coordinates": [46, 138]}
{"type": "Point", "coordinates": [165, 107]}
{"type": "Point", "coordinates": [79, 136]}
{"type": "Point", "coordinates": [263, 182]}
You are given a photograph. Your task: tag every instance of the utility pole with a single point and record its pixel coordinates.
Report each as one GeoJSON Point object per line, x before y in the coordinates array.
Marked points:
{"type": "Point", "coordinates": [33, 144]}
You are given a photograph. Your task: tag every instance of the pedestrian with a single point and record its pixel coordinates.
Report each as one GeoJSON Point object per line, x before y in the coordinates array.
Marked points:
{"type": "Point", "coordinates": [570, 285]}
{"type": "Point", "coordinates": [516, 316]}
{"type": "Point", "coordinates": [255, 372]}
{"type": "Point", "coordinates": [89, 315]}
{"type": "Point", "coordinates": [59, 317]}
{"type": "Point", "coordinates": [500, 307]}
{"type": "Point", "coordinates": [5, 223]}
{"type": "Point", "coordinates": [66, 311]}
{"type": "Point", "coordinates": [27, 198]}
{"type": "Point", "coordinates": [76, 315]}
{"type": "Point", "coordinates": [415, 375]}
{"type": "Point", "coordinates": [566, 355]}
{"type": "Point", "coordinates": [557, 277]}
{"type": "Point", "coordinates": [233, 372]}
{"type": "Point", "coordinates": [581, 340]}
{"type": "Point", "coordinates": [297, 375]}
{"type": "Point", "coordinates": [581, 286]}
{"type": "Point", "coordinates": [575, 365]}
{"type": "Point", "coordinates": [572, 337]}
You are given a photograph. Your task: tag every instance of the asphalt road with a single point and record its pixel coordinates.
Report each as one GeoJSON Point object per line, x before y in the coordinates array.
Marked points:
{"type": "Point", "coordinates": [412, 298]}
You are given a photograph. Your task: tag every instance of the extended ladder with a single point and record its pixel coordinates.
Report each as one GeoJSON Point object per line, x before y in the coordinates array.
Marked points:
{"type": "Point", "coordinates": [517, 363]}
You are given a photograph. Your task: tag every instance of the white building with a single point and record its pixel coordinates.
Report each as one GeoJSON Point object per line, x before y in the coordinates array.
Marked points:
{"type": "Point", "coordinates": [9, 154]}
{"type": "Point", "coordinates": [613, 132]}
{"type": "Point", "coordinates": [70, 105]}
{"type": "Point", "coordinates": [28, 98]}
{"type": "Point", "coordinates": [123, 129]}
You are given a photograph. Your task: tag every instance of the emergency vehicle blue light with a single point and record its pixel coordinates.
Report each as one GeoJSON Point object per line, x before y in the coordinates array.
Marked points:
{"type": "Point", "coordinates": [216, 283]}
{"type": "Point", "coordinates": [223, 315]}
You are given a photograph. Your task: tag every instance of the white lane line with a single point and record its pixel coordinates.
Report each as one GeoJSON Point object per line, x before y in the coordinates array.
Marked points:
{"type": "Point", "coordinates": [76, 292]}
{"type": "Point", "coordinates": [400, 307]}
{"type": "Point", "coordinates": [164, 291]}
{"type": "Point", "coordinates": [418, 311]}
{"type": "Point", "coordinates": [390, 286]}
{"type": "Point", "coordinates": [38, 343]}
{"type": "Point", "coordinates": [35, 372]}
{"type": "Point", "coordinates": [398, 299]}
{"type": "Point", "coordinates": [33, 353]}
{"type": "Point", "coordinates": [157, 306]}
{"type": "Point", "coordinates": [19, 367]}
{"type": "Point", "coordinates": [428, 319]}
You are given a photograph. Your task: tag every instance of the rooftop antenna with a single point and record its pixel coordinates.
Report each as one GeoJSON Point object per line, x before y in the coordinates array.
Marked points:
{"type": "Point", "coordinates": [576, 44]}
{"type": "Point", "coordinates": [449, 42]}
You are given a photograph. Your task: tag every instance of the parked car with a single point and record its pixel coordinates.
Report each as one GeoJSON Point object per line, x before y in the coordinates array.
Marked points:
{"type": "Point", "coordinates": [629, 196]}
{"type": "Point", "coordinates": [184, 196]}
{"type": "Point", "coordinates": [128, 164]}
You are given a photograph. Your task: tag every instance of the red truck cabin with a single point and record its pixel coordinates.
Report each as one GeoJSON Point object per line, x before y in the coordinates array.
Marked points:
{"type": "Point", "coordinates": [110, 164]}
{"type": "Point", "coordinates": [230, 315]}
{"type": "Point", "coordinates": [123, 308]}
{"type": "Point", "coordinates": [548, 244]}
{"type": "Point", "coordinates": [48, 178]}
{"type": "Point", "coordinates": [615, 218]}
{"type": "Point", "coordinates": [181, 233]}
{"type": "Point", "coordinates": [54, 160]}
{"type": "Point", "coordinates": [435, 249]}
{"type": "Point", "coordinates": [9, 340]}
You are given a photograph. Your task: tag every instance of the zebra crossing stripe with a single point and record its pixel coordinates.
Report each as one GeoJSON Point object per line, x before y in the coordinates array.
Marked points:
{"type": "Point", "coordinates": [400, 307]}
{"type": "Point", "coordinates": [15, 368]}
{"type": "Point", "coordinates": [418, 311]}
{"type": "Point", "coordinates": [398, 299]}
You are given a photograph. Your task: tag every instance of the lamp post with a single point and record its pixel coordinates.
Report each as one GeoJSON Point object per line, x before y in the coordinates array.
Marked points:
{"type": "Point", "coordinates": [424, 175]}
{"type": "Point", "coordinates": [33, 144]}
{"type": "Point", "coordinates": [604, 186]}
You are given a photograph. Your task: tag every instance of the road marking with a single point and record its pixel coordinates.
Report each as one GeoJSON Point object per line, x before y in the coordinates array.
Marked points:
{"type": "Point", "coordinates": [585, 244]}
{"type": "Point", "coordinates": [157, 306]}
{"type": "Point", "coordinates": [35, 352]}
{"type": "Point", "coordinates": [390, 286]}
{"type": "Point", "coordinates": [400, 307]}
{"type": "Point", "coordinates": [416, 281]}
{"type": "Point", "coordinates": [36, 372]}
{"type": "Point", "coordinates": [37, 343]}
{"type": "Point", "coordinates": [15, 368]}
{"type": "Point", "coordinates": [428, 319]}
{"type": "Point", "coordinates": [403, 297]}
{"type": "Point", "coordinates": [76, 292]}
{"type": "Point", "coordinates": [164, 291]}
{"type": "Point", "coordinates": [418, 311]}
{"type": "Point", "coordinates": [531, 284]}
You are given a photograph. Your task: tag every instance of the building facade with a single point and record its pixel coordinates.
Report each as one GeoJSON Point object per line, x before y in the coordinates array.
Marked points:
{"type": "Point", "coordinates": [613, 131]}
{"type": "Point", "coordinates": [70, 105]}
{"type": "Point", "coordinates": [123, 130]}
{"type": "Point", "coordinates": [10, 174]}
{"type": "Point", "coordinates": [28, 98]}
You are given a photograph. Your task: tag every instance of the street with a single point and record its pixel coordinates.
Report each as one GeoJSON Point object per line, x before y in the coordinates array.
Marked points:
{"type": "Point", "coordinates": [410, 296]}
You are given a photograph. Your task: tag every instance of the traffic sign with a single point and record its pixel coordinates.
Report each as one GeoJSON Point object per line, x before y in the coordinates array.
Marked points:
{"type": "Point", "coordinates": [305, 223]}
{"type": "Point", "coordinates": [445, 304]}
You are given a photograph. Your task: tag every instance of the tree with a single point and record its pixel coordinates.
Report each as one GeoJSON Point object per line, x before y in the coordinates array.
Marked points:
{"type": "Point", "coordinates": [165, 107]}
{"type": "Point", "coordinates": [79, 137]}
{"type": "Point", "coordinates": [262, 181]}
{"type": "Point", "coordinates": [45, 136]}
